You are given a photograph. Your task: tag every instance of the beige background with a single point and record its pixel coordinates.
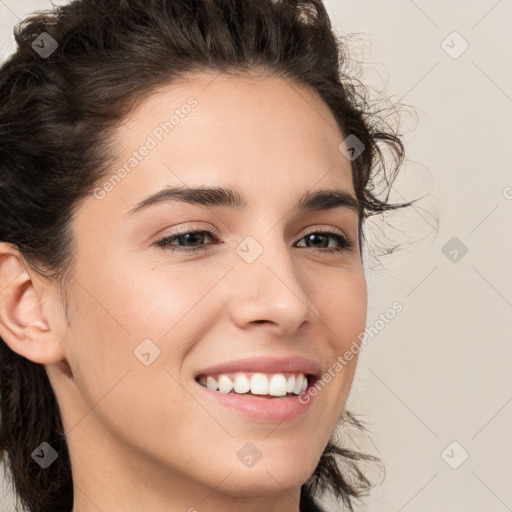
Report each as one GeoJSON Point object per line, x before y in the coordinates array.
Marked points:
{"type": "Point", "coordinates": [439, 372]}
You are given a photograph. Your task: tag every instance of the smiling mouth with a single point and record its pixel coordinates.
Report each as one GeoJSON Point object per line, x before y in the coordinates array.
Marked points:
{"type": "Point", "coordinates": [276, 385]}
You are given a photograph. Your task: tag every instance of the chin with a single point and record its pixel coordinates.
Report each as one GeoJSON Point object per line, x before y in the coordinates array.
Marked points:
{"type": "Point", "coordinates": [267, 480]}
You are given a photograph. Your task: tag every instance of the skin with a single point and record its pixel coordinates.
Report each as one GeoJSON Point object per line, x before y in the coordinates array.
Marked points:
{"type": "Point", "coordinates": [141, 437]}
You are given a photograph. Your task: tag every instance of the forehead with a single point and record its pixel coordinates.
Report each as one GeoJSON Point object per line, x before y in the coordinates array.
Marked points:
{"type": "Point", "coordinates": [264, 136]}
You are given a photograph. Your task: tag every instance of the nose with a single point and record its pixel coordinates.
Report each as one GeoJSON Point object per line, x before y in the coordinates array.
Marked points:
{"type": "Point", "coordinates": [270, 291]}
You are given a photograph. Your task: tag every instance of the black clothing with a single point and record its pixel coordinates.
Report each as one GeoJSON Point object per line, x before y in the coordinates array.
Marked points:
{"type": "Point", "coordinates": [308, 504]}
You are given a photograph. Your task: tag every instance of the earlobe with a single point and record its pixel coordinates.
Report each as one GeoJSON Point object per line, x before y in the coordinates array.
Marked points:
{"type": "Point", "coordinates": [22, 324]}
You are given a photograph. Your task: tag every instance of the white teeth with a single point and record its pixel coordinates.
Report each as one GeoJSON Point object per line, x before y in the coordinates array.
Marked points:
{"type": "Point", "coordinates": [225, 384]}
{"type": "Point", "coordinates": [242, 384]}
{"type": "Point", "coordinates": [298, 385]}
{"type": "Point", "coordinates": [290, 384]}
{"type": "Point", "coordinates": [211, 383]}
{"type": "Point", "coordinates": [277, 385]}
{"type": "Point", "coordinates": [257, 384]}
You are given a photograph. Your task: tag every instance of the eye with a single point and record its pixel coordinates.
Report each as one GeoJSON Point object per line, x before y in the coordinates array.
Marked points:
{"type": "Point", "coordinates": [320, 237]}
{"type": "Point", "coordinates": [316, 238]}
{"type": "Point", "coordinates": [189, 237]}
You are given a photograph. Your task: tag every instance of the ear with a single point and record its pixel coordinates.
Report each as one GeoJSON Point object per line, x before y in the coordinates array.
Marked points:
{"type": "Point", "coordinates": [23, 325]}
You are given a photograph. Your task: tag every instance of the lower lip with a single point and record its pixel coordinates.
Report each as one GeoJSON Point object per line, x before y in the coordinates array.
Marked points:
{"type": "Point", "coordinates": [263, 408]}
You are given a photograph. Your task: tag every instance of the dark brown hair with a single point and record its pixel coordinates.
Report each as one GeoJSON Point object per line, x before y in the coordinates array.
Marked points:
{"type": "Point", "coordinates": [57, 115]}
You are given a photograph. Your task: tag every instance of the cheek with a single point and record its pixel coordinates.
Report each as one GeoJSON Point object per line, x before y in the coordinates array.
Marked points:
{"type": "Point", "coordinates": [342, 305]}
{"type": "Point", "coordinates": [153, 316]}
{"type": "Point", "coordinates": [111, 333]}
{"type": "Point", "coordinates": [168, 299]}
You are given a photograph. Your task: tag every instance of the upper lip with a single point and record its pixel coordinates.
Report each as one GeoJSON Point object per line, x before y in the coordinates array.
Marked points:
{"type": "Point", "coordinates": [293, 364]}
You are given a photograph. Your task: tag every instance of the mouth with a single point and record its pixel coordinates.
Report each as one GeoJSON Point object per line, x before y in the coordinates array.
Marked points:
{"type": "Point", "coordinates": [260, 397]}
{"type": "Point", "coordinates": [259, 388]}
{"type": "Point", "coordinates": [258, 384]}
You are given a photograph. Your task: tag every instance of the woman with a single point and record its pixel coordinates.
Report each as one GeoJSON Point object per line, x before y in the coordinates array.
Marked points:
{"type": "Point", "coordinates": [183, 190]}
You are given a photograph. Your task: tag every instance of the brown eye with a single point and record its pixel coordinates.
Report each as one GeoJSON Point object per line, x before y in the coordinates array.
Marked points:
{"type": "Point", "coordinates": [190, 237]}
{"type": "Point", "coordinates": [320, 239]}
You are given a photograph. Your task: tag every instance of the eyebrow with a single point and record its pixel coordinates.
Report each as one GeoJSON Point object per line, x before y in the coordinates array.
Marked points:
{"type": "Point", "coordinates": [312, 200]}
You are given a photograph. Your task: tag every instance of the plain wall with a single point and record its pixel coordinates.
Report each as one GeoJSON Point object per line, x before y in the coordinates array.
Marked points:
{"type": "Point", "coordinates": [433, 384]}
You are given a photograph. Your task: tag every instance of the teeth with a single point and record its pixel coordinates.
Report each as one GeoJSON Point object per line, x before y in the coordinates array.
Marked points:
{"type": "Point", "coordinates": [257, 384]}
{"type": "Point", "coordinates": [290, 384]}
{"type": "Point", "coordinates": [211, 383]}
{"type": "Point", "coordinates": [277, 385]}
{"type": "Point", "coordinates": [242, 384]}
{"type": "Point", "coordinates": [298, 385]}
{"type": "Point", "coordinates": [225, 384]}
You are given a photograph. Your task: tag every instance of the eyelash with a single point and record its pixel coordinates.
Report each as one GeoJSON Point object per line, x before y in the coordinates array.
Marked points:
{"type": "Point", "coordinates": [345, 242]}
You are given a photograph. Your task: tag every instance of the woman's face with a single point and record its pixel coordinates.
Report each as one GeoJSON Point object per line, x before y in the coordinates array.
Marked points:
{"type": "Point", "coordinates": [146, 322]}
